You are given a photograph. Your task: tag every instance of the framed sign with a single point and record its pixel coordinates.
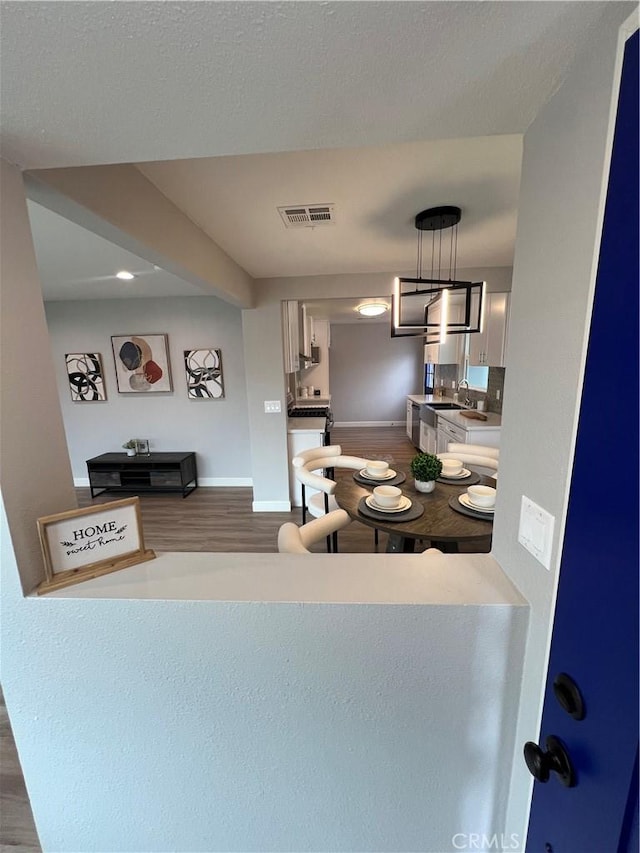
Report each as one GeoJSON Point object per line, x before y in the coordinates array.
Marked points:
{"type": "Point", "coordinates": [85, 543]}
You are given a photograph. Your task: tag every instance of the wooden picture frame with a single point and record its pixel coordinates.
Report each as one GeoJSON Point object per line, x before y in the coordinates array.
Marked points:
{"type": "Point", "coordinates": [142, 363]}
{"type": "Point", "coordinates": [85, 543]}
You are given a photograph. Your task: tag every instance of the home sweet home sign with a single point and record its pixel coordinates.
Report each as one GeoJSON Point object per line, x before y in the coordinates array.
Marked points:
{"type": "Point", "coordinates": [85, 543]}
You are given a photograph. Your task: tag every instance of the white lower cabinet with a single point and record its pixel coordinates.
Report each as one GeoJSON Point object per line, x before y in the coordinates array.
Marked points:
{"type": "Point", "coordinates": [409, 417]}
{"type": "Point", "coordinates": [297, 442]}
{"type": "Point", "coordinates": [452, 432]}
{"type": "Point", "coordinates": [428, 438]}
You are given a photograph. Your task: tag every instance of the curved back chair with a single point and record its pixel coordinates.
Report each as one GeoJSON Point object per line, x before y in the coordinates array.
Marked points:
{"type": "Point", "coordinates": [475, 449]}
{"type": "Point", "coordinates": [320, 455]}
{"type": "Point", "coordinates": [296, 540]}
{"type": "Point", "coordinates": [322, 502]}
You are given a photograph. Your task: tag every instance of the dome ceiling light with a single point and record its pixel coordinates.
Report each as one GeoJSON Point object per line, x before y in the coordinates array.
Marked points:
{"type": "Point", "coordinates": [436, 307]}
{"type": "Point", "coordinates": [372, 309]}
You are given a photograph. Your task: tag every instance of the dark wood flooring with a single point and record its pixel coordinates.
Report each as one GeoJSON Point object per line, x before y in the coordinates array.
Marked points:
{"type": "Point", "coordinates": [208, 520]}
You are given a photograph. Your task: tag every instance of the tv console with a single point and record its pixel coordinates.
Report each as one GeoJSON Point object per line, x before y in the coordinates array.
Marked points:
{"type": "Point", "coordinates": [156, 472]}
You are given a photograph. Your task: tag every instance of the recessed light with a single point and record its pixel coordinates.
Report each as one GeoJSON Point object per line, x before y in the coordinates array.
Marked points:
{"type": "Point", "coordinates": [125, 275]}
{"type": "Point", "coordinates": [372, 309]}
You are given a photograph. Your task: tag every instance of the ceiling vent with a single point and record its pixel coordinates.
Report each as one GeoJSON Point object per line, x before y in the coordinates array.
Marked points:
{"type": "Point", "coordinates": [307, 215]}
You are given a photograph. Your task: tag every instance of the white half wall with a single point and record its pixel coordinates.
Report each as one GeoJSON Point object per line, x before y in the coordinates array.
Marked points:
{"type": "Point", "coordinates": [217, 430]}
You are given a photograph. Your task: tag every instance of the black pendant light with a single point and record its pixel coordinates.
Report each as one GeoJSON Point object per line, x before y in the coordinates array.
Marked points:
{"type": "Point", "coordinates": [435, 307]}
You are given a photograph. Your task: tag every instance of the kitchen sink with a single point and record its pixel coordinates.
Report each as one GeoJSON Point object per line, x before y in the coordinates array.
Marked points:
{"type": "Point", "coordinates": [444, 406]}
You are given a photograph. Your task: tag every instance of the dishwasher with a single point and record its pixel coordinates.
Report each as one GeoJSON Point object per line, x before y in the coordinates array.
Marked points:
{"type": "Point", "coordinates": [415, 424]}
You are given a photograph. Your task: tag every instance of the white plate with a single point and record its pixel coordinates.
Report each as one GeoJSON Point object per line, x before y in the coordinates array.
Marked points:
{"type": "Point", "coordinates": [405, 503]}
{"type": "Point", "coordinates": [461, 476]}
{"type": "Point", "coordinates": [388, 476]}
{"type": "Point", "coordinates": [464, 500]}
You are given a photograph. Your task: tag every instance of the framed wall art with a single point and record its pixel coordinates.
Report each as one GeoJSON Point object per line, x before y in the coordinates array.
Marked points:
{"type": "Point", "coordinates": [203, 369]}
{"type": "Point", "coordinates": [86, 377]}
{"type": "Point", "coordinates": [85, 543]}
{"type": "Point", "coordinates": [142, 446]}
{"type": "Point", "coordinates": [142, 363]}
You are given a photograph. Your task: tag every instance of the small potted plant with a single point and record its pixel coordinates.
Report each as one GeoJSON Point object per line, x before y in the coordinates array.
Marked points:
{"type": "Point", "coordinates": [131, 446]}
{"type": "Point", "coordinates": [426, 468]}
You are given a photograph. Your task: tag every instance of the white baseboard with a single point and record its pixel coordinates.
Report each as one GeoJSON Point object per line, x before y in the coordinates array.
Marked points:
{"type": "Point", "coordinates": [271, 506]}
{"type": "Point", "coordinates": [211, 482]}
{"type": "Point", "coordinates": [369, 423]}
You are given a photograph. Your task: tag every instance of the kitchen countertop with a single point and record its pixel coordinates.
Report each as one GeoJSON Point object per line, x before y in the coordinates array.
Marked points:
{"type": "Point", "coordinates": [493, 421]}
{"type": "Point", "coordinates": [313, 401]}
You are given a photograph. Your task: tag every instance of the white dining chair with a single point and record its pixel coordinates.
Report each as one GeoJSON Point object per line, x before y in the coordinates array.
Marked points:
{"type": "Point", "coordinates": [475, 449]}
{"type": "Point", "coordinates": [322, 500]}
{"type": "Point", "coordinates": [296, 540]}
{"type": "Point", "coordinates": [319, 454]}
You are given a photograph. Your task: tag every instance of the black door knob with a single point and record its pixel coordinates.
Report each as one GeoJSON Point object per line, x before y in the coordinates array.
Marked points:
{"type": "Point", "coordinates": [556, 759]}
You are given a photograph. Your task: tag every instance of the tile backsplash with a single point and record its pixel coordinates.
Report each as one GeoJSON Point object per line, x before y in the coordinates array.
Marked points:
{"type": "Point", "coordinates": [449, 373]}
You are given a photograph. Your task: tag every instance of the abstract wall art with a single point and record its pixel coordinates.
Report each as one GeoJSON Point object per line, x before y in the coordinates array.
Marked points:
{"type": "Point", "coordinates": [204, 374]}
{"type": "Point", "coordinates": [86, 377]}
{"type": "Point", "coordinates": [142, 363]}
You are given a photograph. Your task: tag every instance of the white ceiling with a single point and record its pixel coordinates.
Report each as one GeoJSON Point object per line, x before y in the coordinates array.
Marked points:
{"type": "Point", "coordinates": [382, 108]}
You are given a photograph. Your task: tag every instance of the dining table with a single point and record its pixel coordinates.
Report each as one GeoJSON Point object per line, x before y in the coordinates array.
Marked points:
{"type": "Point", "coordinates": [436, 517]}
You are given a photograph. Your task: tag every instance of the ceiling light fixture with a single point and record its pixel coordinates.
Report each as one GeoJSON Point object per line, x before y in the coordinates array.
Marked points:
{"type": "Point", "coordinates": [436, 307]}
{"type": "Point", "coordinates": [125, 275]}
{"type": "Point", "coordinates": [372, 309]}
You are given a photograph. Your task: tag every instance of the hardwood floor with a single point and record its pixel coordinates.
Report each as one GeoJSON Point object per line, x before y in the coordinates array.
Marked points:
{"type": "Point", "coordinates": [221, 519]}
{"type": "Point", "coordinates": [210, 519]}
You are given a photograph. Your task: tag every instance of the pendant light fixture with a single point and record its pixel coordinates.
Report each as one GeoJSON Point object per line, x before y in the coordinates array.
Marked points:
{"type": "Point", "coordinates": [435, 307]}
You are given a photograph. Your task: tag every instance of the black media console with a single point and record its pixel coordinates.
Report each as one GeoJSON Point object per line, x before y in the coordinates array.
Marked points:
{"type": "Point", "coordinates": [157, 472]}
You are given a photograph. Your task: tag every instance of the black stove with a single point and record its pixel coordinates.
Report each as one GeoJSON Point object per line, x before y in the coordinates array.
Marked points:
{"type": "Point", "coordinates": [309, 412]}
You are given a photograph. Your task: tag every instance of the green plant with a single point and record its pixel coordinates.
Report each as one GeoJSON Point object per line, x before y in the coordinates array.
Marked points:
{"type": "Point", "coordinates": [426, 467]}
{"type": "Point", "coordinates": [132, 444]}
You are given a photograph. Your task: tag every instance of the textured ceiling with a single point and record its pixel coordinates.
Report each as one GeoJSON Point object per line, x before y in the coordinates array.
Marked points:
{"type": "Point", "coordinates": [109, 82]}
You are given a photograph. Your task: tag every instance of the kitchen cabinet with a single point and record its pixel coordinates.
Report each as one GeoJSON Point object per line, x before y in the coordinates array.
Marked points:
{"type": "Point", "coordinates": [488, 347]}
{"type": "Point", "coordinates": [290, 335]}
{"type": "Point", "coordinates": [448, 431]}
{"type": "Point", "coordinates": [428, 438]}
{"type": "Point", "coordinates": [449, 352]}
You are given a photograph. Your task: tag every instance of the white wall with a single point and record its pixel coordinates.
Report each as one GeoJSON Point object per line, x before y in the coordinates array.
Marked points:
{"type": "Point", "coordinates": [371, 373]}
{"type": "Point", "coordinates": [217, 430]}
{"type": "Point", "coordinates": [566, 153]}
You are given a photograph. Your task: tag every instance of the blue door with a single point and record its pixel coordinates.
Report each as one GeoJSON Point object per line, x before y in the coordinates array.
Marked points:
{"type": "Point", "coordinates": [595, 636]}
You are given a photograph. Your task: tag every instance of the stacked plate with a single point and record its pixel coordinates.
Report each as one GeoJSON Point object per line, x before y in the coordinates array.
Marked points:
{"type": "Point", "coordinates": [389, 475]}
{"type": "Point", "coordinates": [466, 502]}
{"type": "Point", "coordinates": [404, 504]}
{"type": "Point", "coordinates": [461, 475]}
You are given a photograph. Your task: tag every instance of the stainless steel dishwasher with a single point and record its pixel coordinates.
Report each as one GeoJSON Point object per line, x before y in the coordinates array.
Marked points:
{"type": "Point", "coordinates": [415, 424]}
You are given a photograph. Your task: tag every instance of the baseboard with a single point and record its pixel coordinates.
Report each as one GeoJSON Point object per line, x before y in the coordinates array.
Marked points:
{"type": "Point", "coordinates": [210, 482]}
{"type": "Point", "coordinates": [369, 423]}
{"type": "Point", "coordinates": [271, 506]}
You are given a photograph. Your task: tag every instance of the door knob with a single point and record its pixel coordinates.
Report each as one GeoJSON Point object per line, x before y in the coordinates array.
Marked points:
{"type": "Point", "coordinates": [556, 759]}
{"type": "Point", "coordinates": [569, 696]}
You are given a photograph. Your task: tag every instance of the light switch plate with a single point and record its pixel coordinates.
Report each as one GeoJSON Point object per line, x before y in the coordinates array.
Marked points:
{"type": "Point", "coordinates": [272, 406]}
{"type": "Point", "coordinates": [535, 531]}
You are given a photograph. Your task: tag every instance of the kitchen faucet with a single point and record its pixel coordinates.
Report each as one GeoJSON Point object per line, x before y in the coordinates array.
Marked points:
{"type": "Point", "coordinates": [464, 382]}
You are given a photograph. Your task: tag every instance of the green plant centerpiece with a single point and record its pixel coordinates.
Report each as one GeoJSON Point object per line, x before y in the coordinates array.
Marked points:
{"type": "Point", "coordinates": [131, 446]}
{"type": "Point", "coordinates": [426, 468]}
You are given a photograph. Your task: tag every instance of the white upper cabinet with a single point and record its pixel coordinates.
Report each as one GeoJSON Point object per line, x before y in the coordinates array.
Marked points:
{"type": "Point", "coordinates": [290, 335]}
{"type": "Point", "coordinates": [449, 352]}
{"type": "Point", "coordinates": [488, 347]}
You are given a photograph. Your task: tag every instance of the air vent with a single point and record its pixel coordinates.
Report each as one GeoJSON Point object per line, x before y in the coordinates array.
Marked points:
{"type": "Point", "coordinates": [307, 215]}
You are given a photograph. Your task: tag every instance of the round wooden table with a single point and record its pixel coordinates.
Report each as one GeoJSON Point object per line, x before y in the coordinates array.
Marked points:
{"type": "Point", "coordinates": [442, 526]}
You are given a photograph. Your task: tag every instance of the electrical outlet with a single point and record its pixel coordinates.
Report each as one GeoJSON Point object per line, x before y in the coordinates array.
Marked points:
{"type": "Point", "coordinates": [497, 393]}
{"type": "Point", "coordinates": [272, 406]}
{"type": "Point", "coordinates": [453, 384]}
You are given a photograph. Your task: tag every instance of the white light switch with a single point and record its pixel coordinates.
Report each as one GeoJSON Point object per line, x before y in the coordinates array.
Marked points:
{"type": "Point", "coordinates": [535, 531]}
{"type": "Point", "coordinates": [272, 406]}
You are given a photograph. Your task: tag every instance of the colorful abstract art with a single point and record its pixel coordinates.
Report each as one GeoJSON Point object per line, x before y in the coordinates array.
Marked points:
{"type": "Point", "coordinates": [86, 378]}
{"type": "Point", "coordinates": [142, 363]}
{"type": "Point", "coordinates": [204, 374]}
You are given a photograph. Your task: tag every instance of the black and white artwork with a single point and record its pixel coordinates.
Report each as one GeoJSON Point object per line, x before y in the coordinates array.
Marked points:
{"type": "Point", "coordinates": [204, 374]}
{"type": "Point", "coordinates": [86, 377]}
